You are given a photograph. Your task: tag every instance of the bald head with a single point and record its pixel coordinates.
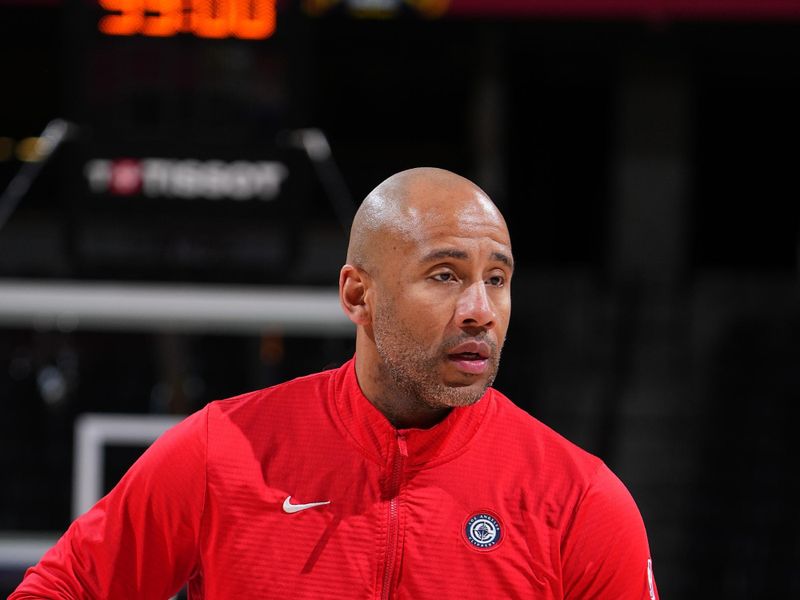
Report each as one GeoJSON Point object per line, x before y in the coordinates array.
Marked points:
{"type": "Point", "coordinates": [405, 201]}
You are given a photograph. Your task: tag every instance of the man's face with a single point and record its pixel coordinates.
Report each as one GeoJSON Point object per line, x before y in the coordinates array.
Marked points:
{"type": "Point", "coordinates": [442, 305]}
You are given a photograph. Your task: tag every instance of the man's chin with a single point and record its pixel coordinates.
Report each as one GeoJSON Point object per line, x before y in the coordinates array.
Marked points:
{"type": "Point", "coordinates": [465, 380]}
{"type": "Point", "coordinates": [458, 394]}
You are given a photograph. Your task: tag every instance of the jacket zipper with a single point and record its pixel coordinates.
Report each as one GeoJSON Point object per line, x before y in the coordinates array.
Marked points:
{"type": "Point", "coordinates": [394, 516]}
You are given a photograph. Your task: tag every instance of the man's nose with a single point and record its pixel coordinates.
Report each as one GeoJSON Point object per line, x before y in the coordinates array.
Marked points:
{"type": "Point", "coordinates": [475, 308]}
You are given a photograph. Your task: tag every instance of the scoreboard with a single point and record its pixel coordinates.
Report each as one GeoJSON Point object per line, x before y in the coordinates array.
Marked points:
{"type": "Point", "coordinates": [183, 166]}
{"type": "Point", "coordinates": [187, 112]}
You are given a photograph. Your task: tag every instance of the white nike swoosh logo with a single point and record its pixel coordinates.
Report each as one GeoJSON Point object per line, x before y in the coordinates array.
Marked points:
{"type": "Point", "coordinates": [293, 508]}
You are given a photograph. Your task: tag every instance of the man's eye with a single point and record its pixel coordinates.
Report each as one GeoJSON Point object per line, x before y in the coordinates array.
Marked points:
{"type": "Point", "coordinates": [444, 277]}
{"type": "Point", "coordinates": [496, 281]}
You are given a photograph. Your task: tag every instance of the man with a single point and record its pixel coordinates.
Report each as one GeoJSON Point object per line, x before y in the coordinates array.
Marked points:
{"type": "Point", "coordinates": [402, 474]}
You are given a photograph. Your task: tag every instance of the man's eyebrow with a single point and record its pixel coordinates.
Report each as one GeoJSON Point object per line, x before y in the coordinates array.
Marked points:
{"type": "Point", "coordinates": [506, 260]}
{"type": "Point", "coordinates": [445, 253]}
{"type": "Point", "coordinates": [462, 255]}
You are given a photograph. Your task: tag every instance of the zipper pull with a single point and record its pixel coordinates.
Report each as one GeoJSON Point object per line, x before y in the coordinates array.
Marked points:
{"type": "Point", "coordinates": [401, 445]}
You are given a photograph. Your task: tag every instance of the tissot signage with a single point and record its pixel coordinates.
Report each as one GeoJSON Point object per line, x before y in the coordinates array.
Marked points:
{"type": "Point", "coordinates": [240, 180]}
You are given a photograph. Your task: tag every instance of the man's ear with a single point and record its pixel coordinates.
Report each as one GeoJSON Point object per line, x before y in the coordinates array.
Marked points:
{"type": "Point", "coordinates": [353, 285]}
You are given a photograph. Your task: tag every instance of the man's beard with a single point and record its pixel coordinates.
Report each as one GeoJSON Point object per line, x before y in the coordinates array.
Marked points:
{"type": "Point", "coordinates": [414, 371]}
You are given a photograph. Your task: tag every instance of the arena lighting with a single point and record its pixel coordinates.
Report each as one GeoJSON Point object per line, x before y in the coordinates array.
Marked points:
{"type": "Point", "coordinates": [243, 19]}
{"type": "Point", "coordinates": [36, 152]}
{"type": "Point", "coordinates": [379, 9]}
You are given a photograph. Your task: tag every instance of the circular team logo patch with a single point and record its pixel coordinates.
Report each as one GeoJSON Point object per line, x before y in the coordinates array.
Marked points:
{"type": "Point", "coordinates": [483, 531]}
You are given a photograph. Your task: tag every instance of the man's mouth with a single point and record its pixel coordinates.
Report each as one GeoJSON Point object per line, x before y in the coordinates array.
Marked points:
{"type": "Point", "coordinates": [471, 357]}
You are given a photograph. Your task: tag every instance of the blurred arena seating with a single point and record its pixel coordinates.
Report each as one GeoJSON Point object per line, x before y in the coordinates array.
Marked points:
{"type": "Point", "coordinates": [182, 243]}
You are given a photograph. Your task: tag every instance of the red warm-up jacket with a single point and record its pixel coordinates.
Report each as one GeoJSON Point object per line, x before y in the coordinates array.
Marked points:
{"type": "Point", "coordinates": [305, 490]}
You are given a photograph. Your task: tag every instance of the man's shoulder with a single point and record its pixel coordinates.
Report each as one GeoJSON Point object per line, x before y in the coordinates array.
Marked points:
{"type": "Point", "coordinates": [296, 407]}
{"type": "Point", "coordinates": [530, 438]}
{"type": "Point", "coordinates": [301, 391]}
{"type": "Point", "coordinates": [292, 403]}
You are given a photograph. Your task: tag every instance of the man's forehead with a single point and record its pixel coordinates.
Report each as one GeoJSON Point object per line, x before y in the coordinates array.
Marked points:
{"type": "Point", "coordinates": [463, 212]}
{"type": "Point", "coordinates": [438, 227]}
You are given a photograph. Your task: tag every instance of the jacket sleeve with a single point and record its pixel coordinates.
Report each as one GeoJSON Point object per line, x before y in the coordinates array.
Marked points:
{"type": "Point", "coordinates": [605, 551]}
{"type": "Point", "coordinates": [141, 539]}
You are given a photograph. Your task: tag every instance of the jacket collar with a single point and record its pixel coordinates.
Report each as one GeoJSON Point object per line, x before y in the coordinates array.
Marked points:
{"type": "Point", "coordinates": [378, 439]}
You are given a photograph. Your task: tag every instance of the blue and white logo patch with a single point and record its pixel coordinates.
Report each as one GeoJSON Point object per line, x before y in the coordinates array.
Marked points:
{"type": "Point", "coordinates": [483, 531]}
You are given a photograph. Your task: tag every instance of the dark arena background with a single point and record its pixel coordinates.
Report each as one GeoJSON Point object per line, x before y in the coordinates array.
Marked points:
{"type": "Point", "coordinates": [178, 179]}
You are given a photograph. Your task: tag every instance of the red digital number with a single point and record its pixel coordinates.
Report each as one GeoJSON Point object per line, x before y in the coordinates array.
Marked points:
{"type": "Point", "coordinates": [129, 20]}
{"type": "Point", "coordinates": [245, 19]}
{"type": "Point", "coordinates": [210, 18]}
{"type": "Point", "coordinates": [253, 20]}
{"type": "Point", "coordinates": [163, 18]}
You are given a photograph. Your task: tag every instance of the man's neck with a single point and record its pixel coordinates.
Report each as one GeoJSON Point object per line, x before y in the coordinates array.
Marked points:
{"type": "Point", "coordinates": [405, 414]}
